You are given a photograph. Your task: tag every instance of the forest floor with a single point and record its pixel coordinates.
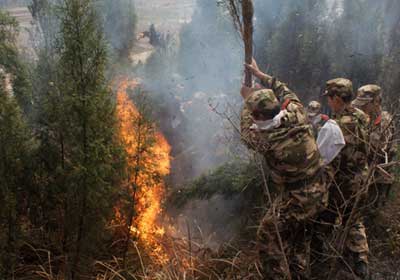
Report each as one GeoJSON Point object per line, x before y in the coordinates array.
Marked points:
{"type": "Point", "coordinates": [384, 238]}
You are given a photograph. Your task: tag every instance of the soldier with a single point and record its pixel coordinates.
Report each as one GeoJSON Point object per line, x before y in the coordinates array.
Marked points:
{"type": "Point", "coordinates": [315, 116]}
{"type": "Point", "coordinates": [274, 123]}
{"type": "Point", "coordinates": [350, 169]}
{"type": "Point", "coordinates": [381, 131]}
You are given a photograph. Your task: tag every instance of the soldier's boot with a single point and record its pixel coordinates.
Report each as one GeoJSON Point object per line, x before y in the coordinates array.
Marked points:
{"type": "Point", "coordinates": [270, 253]}
{"type": "Point", "coordinates": [357, 244]}
{"type": "Point", "coordinates": [273, 269]}
{"type": "Point", "coordinates": [299, 267]}
{"type": "Point", "coordinates": [361, 269]}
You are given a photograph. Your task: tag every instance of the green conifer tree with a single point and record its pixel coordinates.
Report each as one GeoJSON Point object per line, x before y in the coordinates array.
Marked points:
{"type": "Point", "coordinates": [90, 147]}
{"type": "Point", "coordinates": [15, 151]}
{"type": "Point", "coordinates": [12, 63]}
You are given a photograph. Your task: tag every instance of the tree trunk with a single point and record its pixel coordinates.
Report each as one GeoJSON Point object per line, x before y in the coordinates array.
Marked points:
{"type": "Point", "coordinates": [247, 13]}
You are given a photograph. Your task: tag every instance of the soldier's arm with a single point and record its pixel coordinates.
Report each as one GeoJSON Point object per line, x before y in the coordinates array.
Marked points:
{"type": "Point", "coordinates": [249, 137]}
{"type": "Point", "coordinates": [356, 138]}
{"type": "Point", "coordinates": [280, 89]}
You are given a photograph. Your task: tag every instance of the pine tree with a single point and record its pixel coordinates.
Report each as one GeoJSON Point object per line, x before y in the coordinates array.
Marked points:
{"type": "Point", "coordinates": [269, 15]}
{"type": "Point", "coordinates": [356, 42]}
{"type": "Point", "coordinates": [294, 48]}
{"type": "Point", "coordinates": [49, 195]}
{"type": "Point", "coordinates": [90, 147]}
{"type": "Point", "coordinates": [12, 63]}
{"type": "Point", "coordinates": [15, 151]}
{"type": "Point", "coordinates": [389, 78]}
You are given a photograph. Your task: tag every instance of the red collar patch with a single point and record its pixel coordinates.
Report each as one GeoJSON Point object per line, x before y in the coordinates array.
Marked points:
{"type": "Point", "coordinates": [324, 117]}
{"type": "Point", "coordinates": [285, 104]}
{"type": "Point", "coordinates": [378, 120]}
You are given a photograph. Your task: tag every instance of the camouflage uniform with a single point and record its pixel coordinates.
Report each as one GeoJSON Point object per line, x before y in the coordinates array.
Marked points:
{"type": "Point", "coordinates": [350, 168]}
{"type": "Point", "coordinates": [381, 149]}
{"type": "Point", "coordinates": [315, 117]}
{"type": "Point", "coordinates": [296, 170]}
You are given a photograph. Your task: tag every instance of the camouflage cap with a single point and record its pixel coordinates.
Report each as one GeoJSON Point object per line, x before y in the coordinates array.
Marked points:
{"type": "Point", "coordinates": [340, 87]}
{"type": "Point", "coordinates": [263, 102]}
{"type": "Point", "coordinates": [314, 108]}
{"type": "Point", "coordinates": [366, 94]}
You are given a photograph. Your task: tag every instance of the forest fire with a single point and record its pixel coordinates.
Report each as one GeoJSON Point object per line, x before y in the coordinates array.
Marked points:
{"type": "Point", "coordinates": [148, 155]}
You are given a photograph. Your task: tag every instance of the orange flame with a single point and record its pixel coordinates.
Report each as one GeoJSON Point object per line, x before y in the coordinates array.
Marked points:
{"type": "Point", "coordinates": [155, 160]}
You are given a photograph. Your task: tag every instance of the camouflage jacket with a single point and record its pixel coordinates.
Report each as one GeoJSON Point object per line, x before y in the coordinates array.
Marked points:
{"type": "Point", "coordinates": [352, 160]}
{"type": "Point", "coordinates": [282, 92]}
{"type": "Point", "coordinates": [290, 150]}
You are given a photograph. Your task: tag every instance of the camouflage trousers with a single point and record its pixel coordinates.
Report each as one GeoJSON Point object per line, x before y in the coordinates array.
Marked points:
{"type": "Point", "coordinates": [357, 242]}
{"type": "Point", "coordinates": [284, 234]}
{"type": "Point", "coordinates": [378, 195]}
{"type": "Point", "coordinates": [341, 204]}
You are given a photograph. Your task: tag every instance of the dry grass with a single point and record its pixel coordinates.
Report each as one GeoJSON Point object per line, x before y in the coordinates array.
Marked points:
{"type": "Point", "coordinates": [188, 260]}
{"type": "Point", "coordinates": [191, 259]}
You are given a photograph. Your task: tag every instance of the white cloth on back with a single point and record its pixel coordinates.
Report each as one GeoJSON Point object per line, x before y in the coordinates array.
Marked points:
{"type": "Point", "coordinates": [269, 124]}
{"type": "Point", "coordinates": [330, 141]}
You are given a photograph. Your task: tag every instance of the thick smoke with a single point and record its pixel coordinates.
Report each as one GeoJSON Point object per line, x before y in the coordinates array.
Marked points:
{"type": "Point", "coordinates": [201, 69]}
{"type": "Point", "coordinates": [197, 70]}
{"type": "Point", "coordinates": [119, 24]}
{"type": "Point", "coordinates": [212, 222]}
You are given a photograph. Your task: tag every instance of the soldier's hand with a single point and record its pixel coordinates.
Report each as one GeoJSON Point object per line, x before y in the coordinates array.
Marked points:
{"type": "Point", "coordinates": [254, 69]}
{"type": "Point", "coordinates": [246, 91]}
